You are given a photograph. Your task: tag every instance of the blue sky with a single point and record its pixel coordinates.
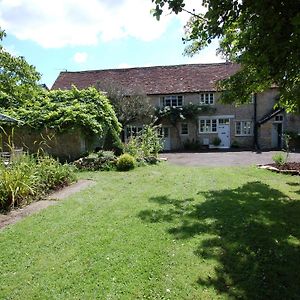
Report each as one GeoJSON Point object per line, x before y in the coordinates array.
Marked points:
{"type": "Point", "coordinates": [79, 35]}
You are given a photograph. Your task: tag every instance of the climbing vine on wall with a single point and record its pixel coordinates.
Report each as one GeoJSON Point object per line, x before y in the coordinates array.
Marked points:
{"type": "Point", "coordinates": [65, 109]}
{"type": "Point", "coordinates": [186, 112]}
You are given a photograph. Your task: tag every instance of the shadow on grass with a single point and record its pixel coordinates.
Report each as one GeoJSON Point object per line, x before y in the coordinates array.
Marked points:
{"type": "Point", "coordinates": [252, 232]}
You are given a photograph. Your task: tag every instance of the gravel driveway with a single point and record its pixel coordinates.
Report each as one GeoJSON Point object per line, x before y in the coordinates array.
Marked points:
{"type": "Point", "coordinates": [216, 159]}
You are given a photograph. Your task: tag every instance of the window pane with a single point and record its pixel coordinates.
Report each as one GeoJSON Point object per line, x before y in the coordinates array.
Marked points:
{"type": "Point", "coordinates": [238, 127]}
{"type": "Point", "coordinates": [184, 128]}
{"type": "Point", "coordinates": [179, 102]}
{"type": "Point", "coordinates": [202, 124]}
{"type": "Point", "coordinates": [214, 126]}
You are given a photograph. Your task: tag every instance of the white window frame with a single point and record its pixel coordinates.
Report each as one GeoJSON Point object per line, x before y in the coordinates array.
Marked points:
{"type": "Point", "coordinates": [187, 129]}
{"type": "Point", "coordinates": [207, 98]}
{"type": "Point", "coordinates": [216, 118]}
{"type": "Point", "coordinates": [172, 99]}
{"type": "Point", "coordinates": [242, 133]}
{"type": "Point", "coordinates": [208, 125]}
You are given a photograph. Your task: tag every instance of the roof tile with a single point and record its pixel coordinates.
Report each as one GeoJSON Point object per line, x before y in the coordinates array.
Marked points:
{"type": "Point", "coordinates": [151, 80]}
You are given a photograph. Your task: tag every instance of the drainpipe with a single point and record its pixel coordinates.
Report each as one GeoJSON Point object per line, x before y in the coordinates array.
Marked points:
{"type": "Point", "coordinates": [255, 129]}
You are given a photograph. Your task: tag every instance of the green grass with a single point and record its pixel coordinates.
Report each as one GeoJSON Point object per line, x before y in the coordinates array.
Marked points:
{"type": "Point", "coordinates": [161, 232]}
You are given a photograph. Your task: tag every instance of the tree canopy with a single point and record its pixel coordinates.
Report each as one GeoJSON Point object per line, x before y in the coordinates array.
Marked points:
{"type": "Point", "coordinates": [18, 79]}
{"type": "Point", "coordinates": [129, 108]}
{"type": "Point", "coordinates": [262, 36]}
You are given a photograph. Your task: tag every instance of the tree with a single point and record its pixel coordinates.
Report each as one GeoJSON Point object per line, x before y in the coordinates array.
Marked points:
{"type": "Point", "coordinates": [262, 36]}
{"type": "Point", "coordinates": [129, 107]}
{"type": "Point", "coordinates": [18, 79]}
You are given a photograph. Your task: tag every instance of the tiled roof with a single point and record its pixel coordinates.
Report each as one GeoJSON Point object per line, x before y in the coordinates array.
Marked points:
{"type": "Point", "coordinates": [151, 80]}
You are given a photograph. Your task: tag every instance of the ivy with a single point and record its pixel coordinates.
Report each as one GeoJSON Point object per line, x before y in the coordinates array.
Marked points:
{"type": "Point", "coordinates": [65, 109]}
{"type": "Point", "coordinates": [177, 114]}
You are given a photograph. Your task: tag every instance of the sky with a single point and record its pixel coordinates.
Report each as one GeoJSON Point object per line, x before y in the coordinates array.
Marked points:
{"type": "Point", "coordinates": [76, 35]}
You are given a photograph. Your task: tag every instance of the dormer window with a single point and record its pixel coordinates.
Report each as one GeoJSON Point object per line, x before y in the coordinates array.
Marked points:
{"type": "Point", "coordinates": [172, 100]}
{"type": "Point", "coordinates": [207, 99]}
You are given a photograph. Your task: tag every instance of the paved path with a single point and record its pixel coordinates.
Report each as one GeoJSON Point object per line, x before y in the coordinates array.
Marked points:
{"type": "Point", "coordinates": [215, 159]}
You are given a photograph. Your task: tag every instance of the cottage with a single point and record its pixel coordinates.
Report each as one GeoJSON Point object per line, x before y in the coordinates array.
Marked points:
{"type": "Point", "coordinates": [253, 125]}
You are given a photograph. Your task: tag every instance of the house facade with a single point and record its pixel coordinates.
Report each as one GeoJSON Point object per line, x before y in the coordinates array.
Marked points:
{"type": "Point", "coordinates": [253, 125]}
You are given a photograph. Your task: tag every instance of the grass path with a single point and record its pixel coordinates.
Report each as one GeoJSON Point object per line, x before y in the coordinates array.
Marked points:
{"type": "Point", "coordinates": [161, 232]}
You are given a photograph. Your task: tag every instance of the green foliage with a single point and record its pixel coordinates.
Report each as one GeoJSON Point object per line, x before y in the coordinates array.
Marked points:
{"type": "Point", "coordinates": [191, 145]}
{"type": "Point", "coordinates": [262, 36]}
{"type": "Point", "coordinates": [23, 99]}
{"type": "Point", "coordinates": [130, 107]}
{"type": "Point", "coordinates": [101, 161]}
{"type": "Point", "coordinates": [146, 144]}
{"type": "Point", "coordinates": [126, 162]}
{"type": "Point", "coordinates": [18, 79]}
{"type": "Point", "coordinates": [64, 109]}
{"type": "Point", "coordinates": [235, 144]}
{"type": "Point", "coordinates": [279, 159]}
{"type": "Point", "coordinates": [176, 114]}
{"type": "Point", "coordinates": [28, 178]}
{"type": "Point", "coordinates": [216, 141]}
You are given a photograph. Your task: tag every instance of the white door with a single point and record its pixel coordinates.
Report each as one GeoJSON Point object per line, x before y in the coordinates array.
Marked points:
{"type": "Point", "coordinates": [165, 133]}
{"type": "Point", "coordinates": [224, 135]}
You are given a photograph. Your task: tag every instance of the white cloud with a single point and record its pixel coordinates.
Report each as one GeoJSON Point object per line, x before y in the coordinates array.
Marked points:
{"type": "Point", "coordinates": [207, 55]}
{"type": "Point", "coordinates": [124, 66]}
{"type": "Point", "coordinates": [80, 57]}
{"type": "Point", "coordinates": [12, 50]}
{"type": "Point", "coordinates": [59, 23]}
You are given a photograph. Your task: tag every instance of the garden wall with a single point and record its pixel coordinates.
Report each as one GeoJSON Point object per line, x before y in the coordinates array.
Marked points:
{"type": "Point", "coordinates": [68, 145]}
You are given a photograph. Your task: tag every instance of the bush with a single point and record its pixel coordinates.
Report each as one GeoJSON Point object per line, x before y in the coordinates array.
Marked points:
{"type": "Point", "coordinates": [235, 144]}
{"type": "Point", "coordinates": [125, 162]}
{"type": "Point", "coordinates": [216, 141]}
{"type": "Point", "coordinates": [145, 145]}
{"type": "Point", "coordinates": [279, 159]}
{"type": "Point", "coordinates": [101, 161]}
{"type": "Point", "coordinates": [28, 178]}
{"type": "Point", "coordinates": [191, 145]}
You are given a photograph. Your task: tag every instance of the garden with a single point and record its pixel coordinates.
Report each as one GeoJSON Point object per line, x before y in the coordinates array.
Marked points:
{"type": "Point", "coordinates": [145, 229]}
{"type": "Point", "coordinates": [161, 232]}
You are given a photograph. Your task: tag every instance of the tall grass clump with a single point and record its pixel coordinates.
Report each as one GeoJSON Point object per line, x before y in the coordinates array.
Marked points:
{"type": "Point", "coordinates": [28, 178]}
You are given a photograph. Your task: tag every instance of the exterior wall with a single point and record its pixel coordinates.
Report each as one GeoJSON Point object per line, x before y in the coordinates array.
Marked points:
{"type": "Point", "coordinates": [245, 112]}
{"type": "Point", "coordinates": [238, 113]}
{"type": "Point", "coordinates": [68, 145]}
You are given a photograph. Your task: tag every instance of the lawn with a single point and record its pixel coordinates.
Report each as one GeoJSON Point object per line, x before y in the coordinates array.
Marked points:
{"type": "Point", "coordinates": [161, 232]}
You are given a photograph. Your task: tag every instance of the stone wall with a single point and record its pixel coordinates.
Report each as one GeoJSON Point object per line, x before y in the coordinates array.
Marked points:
{"type": "Point", "coordinates": [68, 145]}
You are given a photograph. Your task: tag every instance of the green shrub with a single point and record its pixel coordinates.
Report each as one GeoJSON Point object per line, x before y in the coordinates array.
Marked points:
{"type": "Point", "coordinates": [235, 144]}
{"type": "Point", "coordinates": [146, 144]}
{"type": "Point", "coordinates": [28, 178]}
{"type": "Point", "coordinates": [101, 161]}
{"type": "Point", "coordinates": [52, 174]}
{"type": "Point", "coordinates": [191, 145]}
{"type": "Point", "coordinates": [279, 159]}
{"type": "Point", "coordinates": [216, 141]}
{"type": "Point", "coordinates": [125, 162]}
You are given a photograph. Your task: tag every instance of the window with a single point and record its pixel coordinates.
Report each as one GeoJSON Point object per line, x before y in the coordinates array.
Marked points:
{"type": "Point", "coordinates": [184, 129]}
{"type": "Point", "coordinates": [173, 100]}
{"type": "Point", "coordinates": [132, 130]}
{"type": "Point", "coordinates": [243, 128]}
{"type": "Point", "coordinates": [207, 98]}
{"type": "Point", "coordinates": [207, 126]}
{"type": "Point", "coordinates": [278, 118]}
{"type": "Point", "coordinates": [224, 122]}
{"type": "Point", "coordinates": [163, 132]}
